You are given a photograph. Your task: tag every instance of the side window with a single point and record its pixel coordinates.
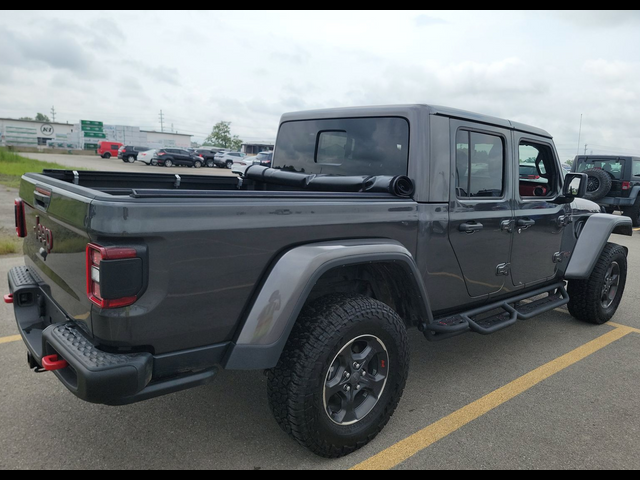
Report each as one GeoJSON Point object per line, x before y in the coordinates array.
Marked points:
{"type": "Point", "coordinates": [538, 173]}
{"type": "Point", "coordinates": [479, 165]}
{"type": "Point", "coordinates": [636, 168]}
{"type": "Point", "coordinates": [115, 147]}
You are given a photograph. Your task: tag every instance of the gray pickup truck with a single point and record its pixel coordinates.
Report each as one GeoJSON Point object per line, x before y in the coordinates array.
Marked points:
{"type": "Point", "coordinates": [369, 222]}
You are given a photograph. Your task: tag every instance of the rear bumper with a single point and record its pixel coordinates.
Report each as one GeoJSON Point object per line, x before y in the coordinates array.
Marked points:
{"type": "Point", "coordinates": [93, 374]}
{"type": "Point", "coordinates": [625, 202]}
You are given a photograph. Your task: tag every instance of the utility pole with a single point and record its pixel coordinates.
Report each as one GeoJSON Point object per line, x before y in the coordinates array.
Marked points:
{"type": "Point", "coordinates": [579, 131]}
{"type": "Point", "coordinates": [585, 148]}
{"type": "Point", "coordinates": [161, 124]}
{"type": "Point", "coordinates": [53, 114]}
{"type": "Point", "coordinates": [172, 128]}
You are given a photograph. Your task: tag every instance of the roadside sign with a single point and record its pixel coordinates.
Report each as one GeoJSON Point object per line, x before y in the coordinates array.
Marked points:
{"type": "Point", "coordinates": [95, 135]}
{"type": "Point", "coordinates": [91, 123]}
{"type": "Point", "coordinates": [90, 128]}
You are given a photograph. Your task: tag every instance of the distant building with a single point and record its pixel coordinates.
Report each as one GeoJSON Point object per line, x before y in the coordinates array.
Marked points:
{"type": "Point", "coordinates": [253, 148]}
{"type": "Point", "coordinates": [29, 133]}
{"type": "Point", "coordinates": [83, 135]}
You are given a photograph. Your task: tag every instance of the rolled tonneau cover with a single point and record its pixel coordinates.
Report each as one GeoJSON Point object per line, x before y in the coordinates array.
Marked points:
{"type": "Point", "coordinates": [399, 185]}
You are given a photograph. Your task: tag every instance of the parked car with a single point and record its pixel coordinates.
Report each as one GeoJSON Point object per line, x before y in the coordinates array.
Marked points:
{"type": "Point", "coordinates": [614, 182]}
{"type": "Point", "coordinates": [207, 154]}
{"type": "Point", "coordinates": [148, 157]}
{"type": "Point", "coordinates": [108, 149]}
{"type": "Point", "coordinates": [240, 165]}
{"type": "Point", "coordinates": [129, 153]}
{"type": "Point", "coordinates": [168, 157]}
{"type": "Point", "coordinates": [320, 267]}
{"type": "Point", "coordinates": [264, 158]}
{"type": "Point", "coordinates": [227, 159]}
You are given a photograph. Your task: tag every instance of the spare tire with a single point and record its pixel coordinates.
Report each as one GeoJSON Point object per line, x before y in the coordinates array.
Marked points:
{"type": "Point", "coordinates": [598, 184]}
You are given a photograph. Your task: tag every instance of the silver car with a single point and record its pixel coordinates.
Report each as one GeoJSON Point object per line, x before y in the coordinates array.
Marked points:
{"type": "Point", "coordinates": [147, 157]}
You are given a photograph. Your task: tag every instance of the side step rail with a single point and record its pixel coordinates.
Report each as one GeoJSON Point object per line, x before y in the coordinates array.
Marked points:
{"type": "Point", "coordinates": [512, 311]}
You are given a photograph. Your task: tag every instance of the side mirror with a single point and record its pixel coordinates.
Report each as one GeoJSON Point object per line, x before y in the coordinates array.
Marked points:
{"type": "Point", "coordinates": [575, 185]}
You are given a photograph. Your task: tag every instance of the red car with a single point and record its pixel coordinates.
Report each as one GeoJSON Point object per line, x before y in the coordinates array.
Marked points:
{"type": "Point", "coordinates": [108, 149]}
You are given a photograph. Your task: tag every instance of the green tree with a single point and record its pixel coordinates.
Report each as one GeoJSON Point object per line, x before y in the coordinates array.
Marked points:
{"type": "Point", "coordinates": [221, 137]}
{"type": "Point", "coordinates": [569, 162]}
{"type": "Point", "coordinates": [42, 118]}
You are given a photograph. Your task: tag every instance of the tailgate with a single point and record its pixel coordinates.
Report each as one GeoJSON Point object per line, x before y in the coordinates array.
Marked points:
{"type": "Point", "coordinates": [56, 242]}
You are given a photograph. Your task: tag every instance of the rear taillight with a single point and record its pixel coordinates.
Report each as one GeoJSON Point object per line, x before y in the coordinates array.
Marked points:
{"type": "Point", "coordinates": [121, 268]}
{"type": "Point", "coordinates": [21, 224]}
{"type": "Point", "coordinates": [626, 185]}
{"type": "Point", "coordinates": [160, 154]}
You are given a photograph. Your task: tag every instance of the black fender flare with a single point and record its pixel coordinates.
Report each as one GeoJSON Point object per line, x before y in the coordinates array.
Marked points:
{"type": "Point", "coordinates": [592, 240]}
{"type": "Point", "coordinates": [270, 319]}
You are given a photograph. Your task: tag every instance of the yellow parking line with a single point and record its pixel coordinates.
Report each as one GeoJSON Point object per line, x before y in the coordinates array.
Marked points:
{"type": "Point", "coordinates": [617, 325]}
{"type": "Point", "coordinates": [636, 229]}
{"type": "Point", "coordinates": [13, 338]}
{"type": "Point", "coordinates": [417, 442]}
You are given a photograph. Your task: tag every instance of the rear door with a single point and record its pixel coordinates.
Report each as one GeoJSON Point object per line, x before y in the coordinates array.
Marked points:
{"type": "Point", "coordinates": [480, 215]}
{"type": "Point", "coordinates": [539, 222]}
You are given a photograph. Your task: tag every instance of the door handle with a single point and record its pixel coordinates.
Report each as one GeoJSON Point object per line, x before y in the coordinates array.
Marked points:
{"type": "Point", "coordinates": [526, 223]}
{"type": "Point", "coordinates": [470, 227]}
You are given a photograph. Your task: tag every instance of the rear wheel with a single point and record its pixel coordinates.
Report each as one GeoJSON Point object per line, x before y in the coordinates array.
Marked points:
{"type": "Point", "coordinates": [168, 163]}
{"type": "Point", "coordinates": [596, 299]}
{"type": "Point", "coordinates": [106, 155]}
{"type": "Point", "coordinates": [341, 374]}
{"type": "Point", "coordinates": [634, 212]}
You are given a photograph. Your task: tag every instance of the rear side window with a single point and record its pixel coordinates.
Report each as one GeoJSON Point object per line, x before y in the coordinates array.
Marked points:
{"type": "Point", "coordinates": [636, 168]}
{"type": "Point", "coordinates": [344, 146]}
{"type": "Point", "coordinates": [614, 166]}
{"type": "Point", "coordinates": [479, 165]}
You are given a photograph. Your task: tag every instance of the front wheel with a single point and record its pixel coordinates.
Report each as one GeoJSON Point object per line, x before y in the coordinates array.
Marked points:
{"type": "Point", "coordinates": [131, 159]}
{"type": "Point", "coordinates": [210, 164]}
{"type": "Point", "coordinates": [341, 374]}
{"type": "Point", "coordinates": [229, 164]}
{"type": "Point", "coordinates": [197, 164]}
{"type": "Point", "coordinates": [596, 299]}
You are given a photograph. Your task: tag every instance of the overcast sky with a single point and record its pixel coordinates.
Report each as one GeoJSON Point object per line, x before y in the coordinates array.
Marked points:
{"type": "Point", "coordinates": [543, 68]}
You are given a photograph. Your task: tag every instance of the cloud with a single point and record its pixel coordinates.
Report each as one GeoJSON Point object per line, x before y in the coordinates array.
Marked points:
{"type": "Point", "coordinates": [298, 57]}
{"type": "Point", "coordinates": [599, 18]}
{"type": "Point", "coordinates": [163, 73]}
{"type": "Point", "coordinates": [424, 20]}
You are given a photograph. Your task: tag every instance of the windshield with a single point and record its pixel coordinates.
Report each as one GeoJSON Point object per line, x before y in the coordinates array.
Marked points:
{"type": "Point", "coordinates": [614, 166]}
{"type": "Point", "coordinates": [344, 146]}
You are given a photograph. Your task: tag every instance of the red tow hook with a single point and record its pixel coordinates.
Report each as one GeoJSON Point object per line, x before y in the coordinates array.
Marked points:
{"type": "Point", "coordinates": [8, 298]}
{"type": "Point", "coordinates": [52, 363]}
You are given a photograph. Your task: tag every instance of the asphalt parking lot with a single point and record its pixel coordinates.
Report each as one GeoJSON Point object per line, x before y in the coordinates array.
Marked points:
{"type": "Point", "coordinates": [550, 393]}
{"type": "Point", "coordinates": [94, 162]}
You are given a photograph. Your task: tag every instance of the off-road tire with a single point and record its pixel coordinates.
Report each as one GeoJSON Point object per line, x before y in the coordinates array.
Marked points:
{"type": "Point", "coordinates": [585, 296]}
{"type": "Point", "coordinates": [633, 212]}
{"type": "Point", "coordinates": [598, 184]}
{"type": "Point", "coordinates": [296, 386]}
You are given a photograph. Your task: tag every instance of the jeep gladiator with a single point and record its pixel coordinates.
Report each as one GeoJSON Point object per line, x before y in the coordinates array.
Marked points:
{"type": "Point", "coordinates": [371, 221]}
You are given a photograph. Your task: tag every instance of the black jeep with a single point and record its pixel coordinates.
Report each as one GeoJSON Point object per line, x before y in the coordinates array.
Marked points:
{"type": "Point", "coordinates": [614, 182]}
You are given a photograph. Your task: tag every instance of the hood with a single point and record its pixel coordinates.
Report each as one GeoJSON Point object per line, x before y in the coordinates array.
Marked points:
{"type": "Point", "coordinates": [582, 205]}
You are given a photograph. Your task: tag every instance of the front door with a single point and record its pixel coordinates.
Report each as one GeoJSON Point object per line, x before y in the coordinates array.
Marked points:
{"type": "Point", "coordinates": [480, 216]}
{"type": "Point", "coordinates": [539, 222]}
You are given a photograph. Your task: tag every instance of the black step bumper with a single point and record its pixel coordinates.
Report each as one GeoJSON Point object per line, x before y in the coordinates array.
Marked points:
{"type": "Point", "coordinates": [91, 373]}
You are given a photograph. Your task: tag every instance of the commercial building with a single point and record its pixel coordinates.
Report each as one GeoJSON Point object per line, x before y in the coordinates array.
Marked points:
{"type": "Point", "coordinates": [83, 135]}
{"type": "Point", "coordinates": [253, 148]}
{"type": "Point", "coordinates": [29, 133]}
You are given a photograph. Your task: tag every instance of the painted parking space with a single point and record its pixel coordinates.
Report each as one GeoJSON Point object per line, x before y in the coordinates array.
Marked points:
{"type": "Point", "coordinates": [407, 448]}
